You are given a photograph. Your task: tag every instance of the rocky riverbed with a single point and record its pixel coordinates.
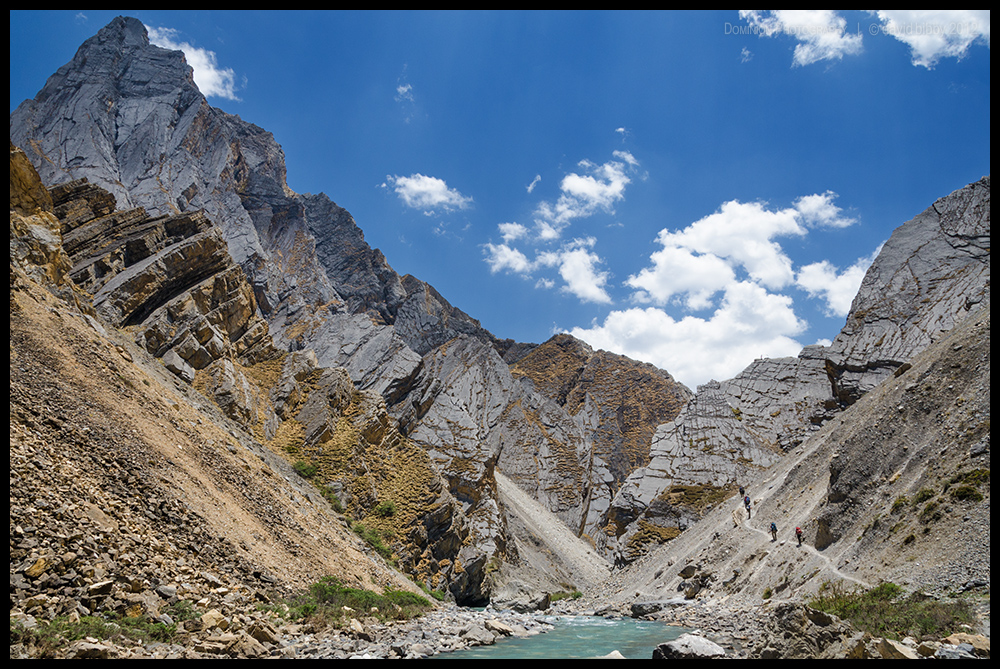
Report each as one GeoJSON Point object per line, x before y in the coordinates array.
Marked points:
{"type": "Point", "coordinates": [444, 630]}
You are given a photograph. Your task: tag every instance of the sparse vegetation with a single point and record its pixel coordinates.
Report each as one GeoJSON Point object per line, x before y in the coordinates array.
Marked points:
{"type": "Point", "coordinates": [49, 636]}
{"type": "Point", "coordinates": [649, 535]}
{"type": "Point", "coordinates": [571, 594]}
{"type": "Point", "coordinates": [696, 497]}
{"type": "Point", "coordinates": [975, 477]}
{"type": "Point", "coordinates": [330, 602]}
{"type": "Point", "coordinates": [884, 611]}
{"type": "Point", "coordinates": [306, 470]}
{"type": "Point", "coordinates": [439, 595]}
{"type": "Point", "coordinates": [967, 493]}
{"type": "Point", "coordinates": [373, 539]}
{"type": "Point", "coordinates": [901, 503]}
{"type": "Point", "coordinates": [930, 513]}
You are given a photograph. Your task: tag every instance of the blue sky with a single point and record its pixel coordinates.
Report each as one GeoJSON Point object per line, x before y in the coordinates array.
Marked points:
{"type": "Point", "coordinates": [692, 189]}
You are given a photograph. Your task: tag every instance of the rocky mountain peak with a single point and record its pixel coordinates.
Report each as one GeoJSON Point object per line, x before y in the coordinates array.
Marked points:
{"type": "Point", "coordinates": [176, 218]}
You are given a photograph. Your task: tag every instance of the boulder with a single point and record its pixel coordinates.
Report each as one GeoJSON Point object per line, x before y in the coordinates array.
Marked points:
{"type": "Point", "coordinates": [689, 647]}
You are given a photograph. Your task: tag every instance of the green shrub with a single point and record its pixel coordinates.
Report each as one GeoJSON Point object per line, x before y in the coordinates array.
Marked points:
{"type": "Point", "coordinates": [883, 611]}
{"type": "Point", "coordinates": [967, 493]}
{"type": "Point", "coordinates": [930, 513]}
{"type": "Point", "coordinates": [572, 594]}
{"type": "Point", "coordinates": [974, 477]}
{"type": "Point", "coordinates": [306, 470]}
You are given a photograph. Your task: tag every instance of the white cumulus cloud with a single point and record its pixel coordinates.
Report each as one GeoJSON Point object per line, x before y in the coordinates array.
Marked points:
{"type": "Point", "coordinates": [821, 33]}
{"type": "Point", "coordinates": [938, 33]}
{"type": "Point", "coordinates": [595, 187]}
{"type": "Point", "coordinates": [704, 258]}
{"type": "Point", "coordinates": [578, 267]}
{"type": "Point", "coordinates": [749, 323]}
{"type": "Point", "coordinates": [212, 80]}
{"type": "Point", "coordinates": [503, 258]}
{"type": "Point", "coordinates": [577, 264]}
{"type": "Point", "coordinates": [823, 280]}
{"type": "Point", "coordinates": [512, 231]}
{"type": "Point", "coordinates": [429, 194]}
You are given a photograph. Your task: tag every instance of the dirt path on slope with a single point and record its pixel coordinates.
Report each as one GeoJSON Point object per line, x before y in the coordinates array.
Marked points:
{"type": "Point", "coordinates": [809, 549]}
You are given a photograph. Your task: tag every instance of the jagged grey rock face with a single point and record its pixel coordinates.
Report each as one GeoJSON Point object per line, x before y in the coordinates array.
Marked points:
{"type": "Point", "coordinates": [128, 116]}
{"type": "Point", "coordinates": [933, 271]}
{"type": "Point", "coordinates": [567, 443]}
{"type": "Point", "coordinates": [930, 274]}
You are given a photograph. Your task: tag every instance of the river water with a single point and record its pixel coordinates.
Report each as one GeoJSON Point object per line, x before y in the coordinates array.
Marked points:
{"type": "Point", "coordinates": [579, 637]}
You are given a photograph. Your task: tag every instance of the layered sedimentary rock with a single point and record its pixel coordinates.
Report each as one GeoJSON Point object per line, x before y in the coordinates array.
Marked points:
{"type": "Point", "coordinates": [615, 404]}
{"type": "Point", "coordinates": [933, 271]}
{"type": "Point", "coordinates": [127, 116]}
{"type": "Point", "coordinates": [169, 278]}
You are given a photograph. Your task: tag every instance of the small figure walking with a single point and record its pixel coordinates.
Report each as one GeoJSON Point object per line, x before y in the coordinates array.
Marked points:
{"type": "Point", "coordinates": [774, 532]}
{"type": "Point", "coordinates": [798, 535]}
{"type": "Point", "coordinates": [746, 503]}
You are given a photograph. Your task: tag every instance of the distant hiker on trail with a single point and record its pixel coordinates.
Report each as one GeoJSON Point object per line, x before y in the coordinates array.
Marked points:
{"type": "Point", "coordinates": [798, 535]}
{"type": "Point", "coordinates": [742, 492]}
{"type": "Point", "coordinates": [746, 503]}
{"type": "Point", "coordinates": [774, 532]}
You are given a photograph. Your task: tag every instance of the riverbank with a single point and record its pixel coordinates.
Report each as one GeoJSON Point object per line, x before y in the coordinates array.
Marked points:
{"type": "Point", "coordinates": [444, 630]}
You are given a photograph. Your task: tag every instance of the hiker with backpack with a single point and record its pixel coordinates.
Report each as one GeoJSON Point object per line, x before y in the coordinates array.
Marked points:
{"type": "Point", "coordinates": [798, 535]}
{"type": "Point", "coordinates": [774, 532]}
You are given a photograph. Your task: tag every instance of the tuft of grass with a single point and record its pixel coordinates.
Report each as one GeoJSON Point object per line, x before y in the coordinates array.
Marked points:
{"type": "Point", "coordinates": [884, 611]}
{"type": "Point", "coordinates": [968, 493]}
{"type": "Point", "coordinates": [386, 509]}
{"type": "Point", "coordinates": [930, 513]}
{"type": "Point", "coordinates": [975, 477]}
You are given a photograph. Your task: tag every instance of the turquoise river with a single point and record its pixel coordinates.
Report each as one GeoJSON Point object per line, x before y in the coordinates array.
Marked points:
{"type": "Point", "coordinates": [580, 637]}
